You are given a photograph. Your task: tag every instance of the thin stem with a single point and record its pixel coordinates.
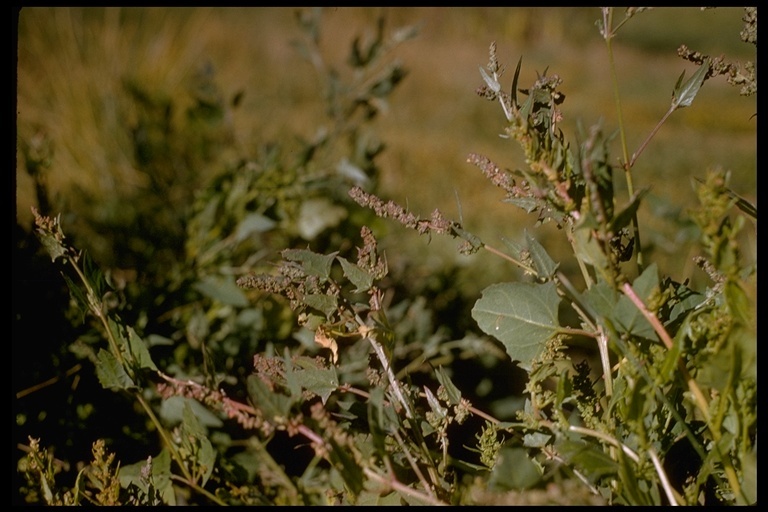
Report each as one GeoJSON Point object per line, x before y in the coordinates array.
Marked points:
{"type": "Point", "coordinates": [608, 439]}
{"type": "Point", "coordinates": [166, 438]}
{"type": "Point", "coordinates": [95, 306]}
{"type": "Point", "coordinates": [401, 488]}
{"type": "Point", "coordinates": [414, 465]}
{"type": "Point", "coordinates": [609, 32]}
{"type": "Point", "coordinates": [602, 345]}
{"type": "Point", "coordinates": [668, 490]}
{"type": "Point", "coordinates": [507, 257]}
{"type": "Point", "coordinates": [200, 490]}
{"type": "Point", "coordinates": [647, 140]}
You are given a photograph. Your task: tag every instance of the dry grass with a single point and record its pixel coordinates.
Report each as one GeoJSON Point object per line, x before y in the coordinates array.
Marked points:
{"type": "Point", "coordinates": [72, 63]}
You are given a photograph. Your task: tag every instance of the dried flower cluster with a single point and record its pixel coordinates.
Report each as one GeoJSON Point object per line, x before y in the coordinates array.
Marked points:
{"type": "Point", "coordinates": [436, 224]}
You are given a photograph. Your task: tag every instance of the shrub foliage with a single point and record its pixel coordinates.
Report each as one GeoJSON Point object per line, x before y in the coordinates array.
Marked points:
{"type": "Point", "coordinates": [267, 354]}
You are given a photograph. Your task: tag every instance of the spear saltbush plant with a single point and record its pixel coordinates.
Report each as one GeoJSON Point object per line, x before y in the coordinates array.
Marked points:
{"type": "Point", "coordinates": [371, 401]}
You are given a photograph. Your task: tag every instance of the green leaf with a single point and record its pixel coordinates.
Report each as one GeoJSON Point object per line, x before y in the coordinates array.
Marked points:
{"type": "Point", "coordinates": [139, 351]}
{"type": "Point", "coordinates": [545, 266]}
{"type": "Point", "coordinates": [586, 246]}
{"type": "Point", "coordinates": [54, 247]}
{"type": "Point", "coordinates": [434, 404]}
{"type": "Point", "coordinates": [474, 241]}
{"type": "Point", "coordinates": [78, 294]}
{"type": "Point", "coordinates": [529, 204]}
{"type": "Point", "coordinates": [670, 365]}
{"type": "Point", "coordinates": [111, 373]}
{"type": "Point", "coordinates": [514, 471]}
{"type": "Point", "coordinates": [161, 477]}
{"type": "Point", "coordinates": [683, 95]}
{"type": "Point", "coordinates": [523, 316]}
{"type": "Point", "coordinates": [172, 408]}
{"type": "Point", "coordinates": [357, 276]}
{"type": "Point", "coordinates": [624, 217]}
{"type": "Point", "coordinates": [454, 395]}
{"type": "Point", "coordinates": [318, 380]}
{"type": "Point", "coordinates": [380, 419]}
{"type": "Point", "coordinates": [291, 382]}
{"type": "Point", "coordinates": [203, 454]}
{"type": "Point", "coordinates": [223, 289]}
{"type": "Point", "coordinates": [94, 275]}
{"type": "Point", "coordinates": [313, 264]}
{"type": "Point", "coordinates": [344, 462]}
{"type": "Point", "coordinates": [592, 461]}
{"type": "Point", "coordinates": [274, 404]}
{"type": "Point", "coordinates": [601, 298]}
{"type": "Point", "coordinates": [513, 91]}
{"type": "Point", "coordinates": [626, 316]}
{"type": "Point", "coordinates": [253, 223]}
{"type": "Point", "coordinates": [327, 304]}
{"type": "Point", "coordinates": [630, 480]}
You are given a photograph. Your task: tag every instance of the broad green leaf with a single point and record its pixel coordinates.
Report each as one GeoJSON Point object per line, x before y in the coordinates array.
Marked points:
{"type": "Point", "coordinates": [314, 264]}
{"type": "Point", "coordinates": [513, 246]}
{"type": "Point", "coordinates": [357, 276]}
{"type": "Point", "coordinates": [139, 350]}
{"type": "Point", "coordinates": [586, 246]}
{"type": "Point", "coordinates": [545, 266]}
{"type": "Point", "coordinates": [523, 316]}
{"type": "Point", "coordinates": [318, 380]}
{"type": "Point", "coordinates": [111, 373]}
{"type": "Point", "coordinates": [526, 203]}
{"type": "Point", "coordinates": [326, 304]}
{"type": "Point", "coordinates": [536, 439]}
{"type": "Point", "coordinates": [275, 405]}
{"type": "Point", "coordinates": [683, 95]}
{"type": "Point", "coordinates": [688, 301]}
{"type": "Point", "coordinates": [514, 471]}
{"type": "Point", "coordinates": [600, 299]}
{"type": "Point", "coordinates": [589, 458]}
{"type": "Point", "coordinates": [171, 411]}
{"type": "Point", "coordinates": [223, 289]}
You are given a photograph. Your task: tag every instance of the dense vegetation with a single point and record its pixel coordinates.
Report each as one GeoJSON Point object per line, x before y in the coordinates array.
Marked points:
{"type": "Point", "coordinates": [232, 331]}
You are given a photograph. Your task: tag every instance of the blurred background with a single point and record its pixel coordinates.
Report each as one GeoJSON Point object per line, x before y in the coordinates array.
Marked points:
{"type": "Point", "coordinates": [74, 64]}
